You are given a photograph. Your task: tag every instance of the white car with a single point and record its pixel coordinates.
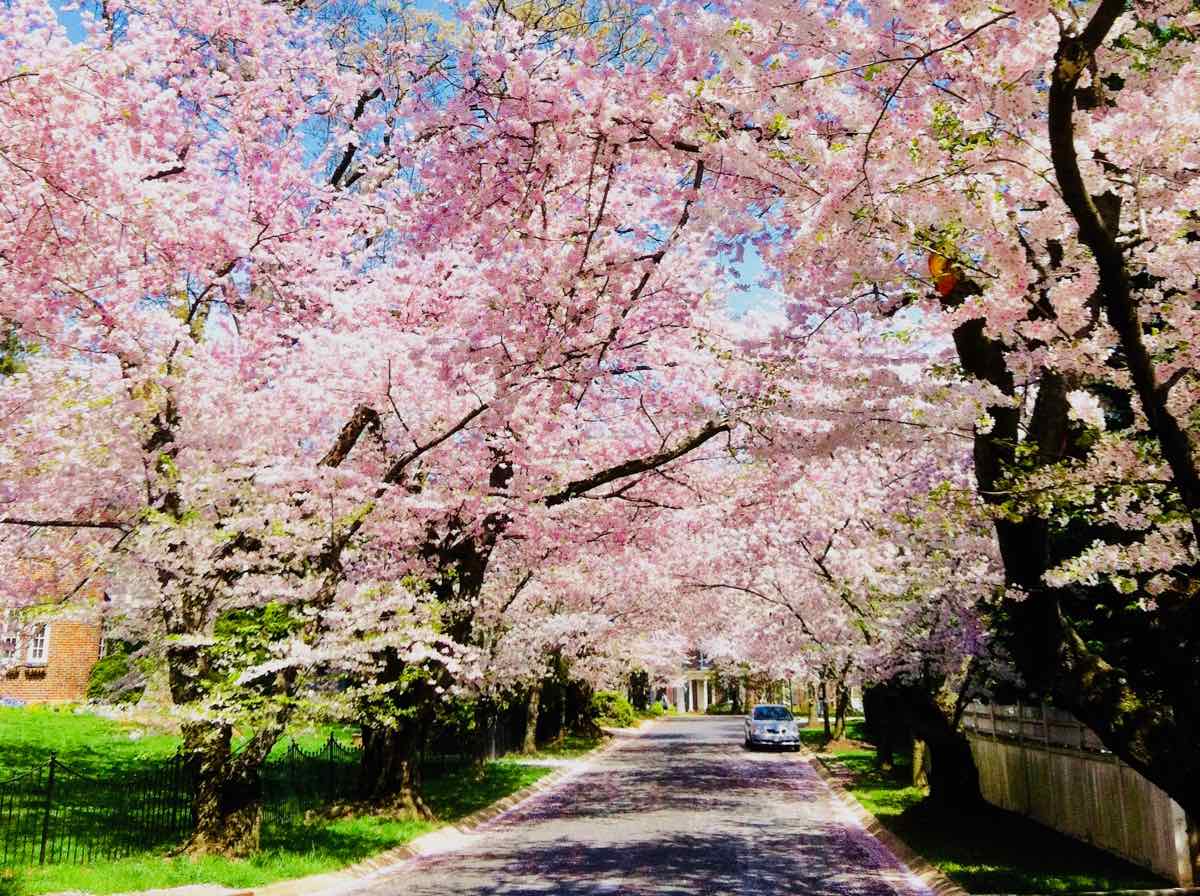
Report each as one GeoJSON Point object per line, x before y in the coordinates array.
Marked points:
{"type": "Point", "coordinates": [770, 724]}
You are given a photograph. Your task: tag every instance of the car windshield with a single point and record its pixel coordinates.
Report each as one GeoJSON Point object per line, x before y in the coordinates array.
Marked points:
{"type": "Point", "coordinates": [772, 714]}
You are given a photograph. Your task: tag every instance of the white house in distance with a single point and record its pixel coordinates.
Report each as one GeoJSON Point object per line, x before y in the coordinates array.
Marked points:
{"type": "Point", "coordinates": [691, 688]}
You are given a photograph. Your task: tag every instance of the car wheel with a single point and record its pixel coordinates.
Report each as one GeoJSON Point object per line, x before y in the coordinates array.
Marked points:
{"type": "Point", "coordinates": [795, 748]}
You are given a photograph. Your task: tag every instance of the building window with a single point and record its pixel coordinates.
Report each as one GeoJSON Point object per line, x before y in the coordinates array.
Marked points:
{"type": "Point", "coordinates": [8, 644]}
{"type": "Point", "coordinates": [39, 645]}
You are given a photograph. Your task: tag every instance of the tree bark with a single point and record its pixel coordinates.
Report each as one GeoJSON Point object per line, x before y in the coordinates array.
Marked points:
{"type": "Point", "coordinates": [227, 795]}
{"type": "Point", "coordinates": [391, 768]}
{"type": "Point", "coordinates": [639, 690]}
{"type": "Point", "coordinates": [529, 744]}
{"type": "Point", "coordinates": [953, 777]}
{"type": "Point", "coordinates": [841, 704]}
{"type": "Point", "coordinates": [884, 725]}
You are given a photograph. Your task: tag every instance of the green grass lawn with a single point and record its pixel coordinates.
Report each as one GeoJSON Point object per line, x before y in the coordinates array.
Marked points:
{"type": "Point", "coordinates": [572, 746]}
{"type": "Point", "coordinates": [88, 743]}
{"type": "Point", "coordinates": [293, 850]}
{"type": "Point", "coordinates": [95, 745]}
{"type": "Point", "coordinates": [291, 847]}
{"type": "Point", "coordinates": [984, 850]}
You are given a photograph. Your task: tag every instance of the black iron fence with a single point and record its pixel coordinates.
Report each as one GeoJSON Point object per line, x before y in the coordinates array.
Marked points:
{"type": "Point", "coordinates": [55, 814]}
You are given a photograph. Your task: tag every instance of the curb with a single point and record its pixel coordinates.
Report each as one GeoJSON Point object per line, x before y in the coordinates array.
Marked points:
{"type": "Point", "coordinates": [936, 881]}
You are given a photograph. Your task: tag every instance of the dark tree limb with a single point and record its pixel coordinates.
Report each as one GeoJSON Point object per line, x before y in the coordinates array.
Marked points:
{"type": "Point", "coordinates": [1076, 53]}
{"type": "Point", "coordinates": [363, 418]}
{"type": "Point", "coordinates": [65, 524]}
{"type": "Point", "coordinates": [637, 465]}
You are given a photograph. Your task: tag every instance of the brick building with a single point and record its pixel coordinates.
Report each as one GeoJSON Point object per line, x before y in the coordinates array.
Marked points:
{"type": "Point", "coordinates": [48, 663]}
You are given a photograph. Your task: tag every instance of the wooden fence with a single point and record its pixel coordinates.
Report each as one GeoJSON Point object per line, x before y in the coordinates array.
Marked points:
{"type": "Point", "coordinates": [1041, 762]}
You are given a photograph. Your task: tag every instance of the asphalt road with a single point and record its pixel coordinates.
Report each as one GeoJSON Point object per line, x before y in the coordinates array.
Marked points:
{"type": "Point", "coordinates": [680, 809]}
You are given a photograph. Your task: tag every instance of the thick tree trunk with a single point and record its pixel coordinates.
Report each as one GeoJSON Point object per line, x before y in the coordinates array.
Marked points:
{"type": "Point", "coordinates": [920, 764]}
{"type": "Point", "coordinates": [529, 744]}
{"type": "Point", "coordinates": [391, 769]}
{"type": "Point", "coordinates": [841, 705]}
{"type": "Point", "coordinates": [884, 726]}
{"type": "Point", "coordinates": [227, 796]}
{"type": "Point", "coordinates": [953, 777]}
{"type": "Point", "coordinates": [824, 691]}
{"type": "Point", "coordinates": [639, 690]}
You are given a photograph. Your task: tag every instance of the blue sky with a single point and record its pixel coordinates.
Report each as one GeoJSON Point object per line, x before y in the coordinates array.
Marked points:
{"type": "Point", "coordinates": [749, 270]}
{"type": "Point", "coordinates": [70, 18]}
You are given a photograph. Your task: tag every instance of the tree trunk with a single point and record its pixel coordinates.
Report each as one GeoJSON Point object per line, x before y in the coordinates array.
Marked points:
{"type": "Point", "coordinates": [391, 768]}
{"type": "Point", "coordinates": [920, 764]}
{"type": "Point", "coordinates": [953, 777]}
{"type": "Point", "coordinates": [825, 708]}
{"type": "Point", "coordinates": [841, 705]}
{"type": "Point", "coordinates": [487, 723]}
{"type": "Point", "coordinates": [529, 745]}
{"type": "Point", "coordinates": [227, 796]}
{"type": "Point", "coordinates": [883, 725]}
{"type": "Point", "coordinates": [639, 690]}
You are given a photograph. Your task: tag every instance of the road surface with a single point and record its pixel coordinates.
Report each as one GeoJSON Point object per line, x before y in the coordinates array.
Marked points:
{"type": "Point", "coordinates": [679, 810]}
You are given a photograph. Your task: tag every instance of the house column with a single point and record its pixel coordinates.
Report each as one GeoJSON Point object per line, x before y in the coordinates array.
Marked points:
{"type": "Point", "coordinates": [702, 693]}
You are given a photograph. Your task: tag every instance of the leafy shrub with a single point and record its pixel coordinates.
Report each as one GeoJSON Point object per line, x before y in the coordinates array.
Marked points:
{"type": "Point", "coordinates": [719, 709]}
{"type": "Point", "coordinates": [613, 710]}
{"type": "Point", "coordinates": [10, 883]}
{"type": "Point", "coordinates": [652, 711]}
{"type": "Point", "coordinates": [114, 678]}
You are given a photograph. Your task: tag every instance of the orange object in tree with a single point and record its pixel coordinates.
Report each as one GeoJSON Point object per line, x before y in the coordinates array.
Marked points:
{"type": "Point", "coordinates": [945, 278]}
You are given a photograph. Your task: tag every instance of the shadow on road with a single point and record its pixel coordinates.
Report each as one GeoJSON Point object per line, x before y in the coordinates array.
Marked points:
{"type": "Point", "coordinates": [819, 863]}
{"type": "Point", "coordinates": [681, 810]}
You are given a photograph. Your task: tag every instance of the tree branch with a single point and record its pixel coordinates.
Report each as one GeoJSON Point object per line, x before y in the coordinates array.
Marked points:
{"type": "Point", "coordinates": [364, 417]}
{"type": "Point", "coordinates": [65, 524]}
{"type": "Point", "coordinates": [1074, 55]}
{"type": "Point", "coordinates": [637, 465]}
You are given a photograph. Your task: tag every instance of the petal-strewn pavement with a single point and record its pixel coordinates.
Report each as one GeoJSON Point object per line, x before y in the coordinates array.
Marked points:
{"type": "Point", "coordinates": [681, 810]}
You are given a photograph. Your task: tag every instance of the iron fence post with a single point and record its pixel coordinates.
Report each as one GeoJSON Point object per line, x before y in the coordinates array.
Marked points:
{"type": "Point", "coordinates": [332, 783]}
{"type": "Point", "coordinates": [47, 808]}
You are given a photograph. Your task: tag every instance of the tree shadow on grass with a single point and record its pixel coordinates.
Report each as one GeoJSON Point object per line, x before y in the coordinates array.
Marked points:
{"type": "Point", "coordinates": [341, 841]}
{"type": "Point", "coordinates": [989, 850]}
{"type": "Point", "coordinates": [456, 792]}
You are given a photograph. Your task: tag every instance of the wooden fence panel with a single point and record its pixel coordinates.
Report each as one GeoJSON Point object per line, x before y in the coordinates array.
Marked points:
{"type": "Point", "coordinates": [1042, 763]}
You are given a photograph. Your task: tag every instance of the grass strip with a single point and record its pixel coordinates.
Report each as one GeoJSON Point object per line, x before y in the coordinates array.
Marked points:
{"type": "Point", "coordinates": [983, 849]}
{"type": "Point", "coordinates": [290, 850]}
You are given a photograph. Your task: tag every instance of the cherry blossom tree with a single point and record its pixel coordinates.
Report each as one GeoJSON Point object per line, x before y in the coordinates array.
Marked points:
{"type": "Point", "coordinates": [395, 348]}
{"type": "Point", "coordinates": [1024, 176]}
{"type": "Point", "coordinates": [296, 385]}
